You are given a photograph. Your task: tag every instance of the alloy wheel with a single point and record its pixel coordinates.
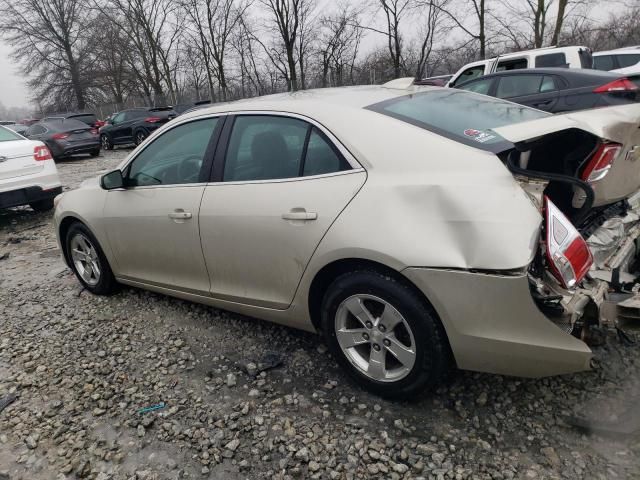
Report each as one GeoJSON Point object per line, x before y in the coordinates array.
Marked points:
{"type": "Point", "coordinates": [85, 259]}
{"type": "Point", "coordinates": [106, 144]}
{"type": "Point", "coordinates": [140, 136]}
{"type": "Point", "coordinates": [375, 338]}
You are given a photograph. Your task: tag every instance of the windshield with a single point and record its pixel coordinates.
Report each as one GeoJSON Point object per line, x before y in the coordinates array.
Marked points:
{"type": "Point", "coordinates": [7, 135]}
{"type": "Point", "coordinates": [461, 116]}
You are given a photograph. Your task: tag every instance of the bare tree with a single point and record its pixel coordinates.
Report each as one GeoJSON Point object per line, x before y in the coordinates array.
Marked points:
{"type": "Point", "coordinates": [212, 23]}
{"type": "Point", "coordinates": [339, 43]}
{"type": "Point", "coordinates": [479, 12]}
{"type": "Point", "coordinates": [431, 14]}
{"type": "Point", "coordinates": [288, 17]}
{"type": "Point", "coordinates": [153, 30]}
{"type": "Point", "coordinates": [50, 42]}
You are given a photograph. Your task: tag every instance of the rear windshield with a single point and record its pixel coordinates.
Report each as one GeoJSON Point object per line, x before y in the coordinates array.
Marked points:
{"type": "Point", "coordinates": [461, 116]}
{"type": "Point", "coordinates": [7, 135]}
{"type": "Point", "coordinates": [89, 119]}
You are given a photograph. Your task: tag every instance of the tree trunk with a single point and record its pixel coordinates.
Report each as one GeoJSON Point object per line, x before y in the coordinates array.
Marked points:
{"type": "Point", "coordinates": [562, 8]}
{"type": "Point", "coordinates": [481, 35]}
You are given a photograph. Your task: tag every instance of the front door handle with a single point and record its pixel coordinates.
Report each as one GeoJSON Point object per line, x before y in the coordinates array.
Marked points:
{"type": "Point", "coordinates": [299, 214]}
{"type": "Point", "coordinates": [180, 214]}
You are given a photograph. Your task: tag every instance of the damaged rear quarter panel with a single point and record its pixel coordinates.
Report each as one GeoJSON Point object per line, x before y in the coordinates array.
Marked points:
{"type": "Point", "coordinates": [430, 201]}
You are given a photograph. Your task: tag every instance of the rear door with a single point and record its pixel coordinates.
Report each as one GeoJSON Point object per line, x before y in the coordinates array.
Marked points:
{"type": "Point", "coordinates": [123, 129]}
{"type": "Point", "coordinates": [534, 90]}
{"type": "Point", "coordinates": [281, 181]}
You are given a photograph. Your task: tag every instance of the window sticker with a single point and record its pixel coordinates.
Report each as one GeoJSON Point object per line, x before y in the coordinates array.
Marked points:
{"type": "Point", "coordinates": [478, 135]}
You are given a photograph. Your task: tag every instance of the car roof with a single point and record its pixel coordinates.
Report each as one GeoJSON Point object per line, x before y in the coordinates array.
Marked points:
{"type": "Point", "coordinates": [619, 51]}
{"type": "Point", "coordinates": [313, 100]}
{"type": "Point", "coordinates": [568, 73]}
{"type": "Point", "coordinates": [64, 126]}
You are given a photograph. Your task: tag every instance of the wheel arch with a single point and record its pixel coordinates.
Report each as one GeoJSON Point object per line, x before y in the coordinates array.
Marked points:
{"type": "Point", "coordinates": [327, 274]}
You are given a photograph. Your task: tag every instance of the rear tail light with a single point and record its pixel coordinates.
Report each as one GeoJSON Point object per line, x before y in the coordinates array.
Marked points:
{"type": "Point", "coordinates": [41, 153]}
{"type": "Point", "coordinates": [153, 119]}
{"type": "Point", "coordinates": [619, 85]}
{"type": "Point", "coordinates": [600, 163]}
{"type": "Point", "coordinates": [568, 254]}
{"type": "Point", "coordinates": [60, 136]}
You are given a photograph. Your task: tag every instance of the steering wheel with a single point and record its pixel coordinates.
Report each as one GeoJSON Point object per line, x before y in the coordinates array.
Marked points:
{"type": "Point", "coordinates": [189, 169]}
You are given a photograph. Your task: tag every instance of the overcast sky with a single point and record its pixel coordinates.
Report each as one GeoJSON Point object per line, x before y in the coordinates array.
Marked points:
{"type": "Point", "coordinates": [13, 92]}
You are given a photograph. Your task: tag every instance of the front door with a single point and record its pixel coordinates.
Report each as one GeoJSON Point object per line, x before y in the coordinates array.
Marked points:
{"type": "Point", "coordinates": [282, 185]}
{"type": "Point", "coordinates": [152, 224]}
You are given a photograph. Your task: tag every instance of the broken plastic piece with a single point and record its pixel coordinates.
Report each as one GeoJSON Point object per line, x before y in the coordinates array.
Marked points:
{"type": "Point", "coordinates": [6, 401]}
{"type": "Point", "coordinates": [269, 360]}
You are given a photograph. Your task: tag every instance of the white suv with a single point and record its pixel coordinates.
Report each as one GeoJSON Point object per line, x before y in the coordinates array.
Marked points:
{"type": "Point", "coordinates": [623, 60]}
{"type": "Point", "coordinates": [28, 174]}
{"type": "Point", "coordinates": [561, 57]}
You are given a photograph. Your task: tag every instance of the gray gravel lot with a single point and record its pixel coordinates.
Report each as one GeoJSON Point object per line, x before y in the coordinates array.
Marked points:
{"type": "Point", "coordinates": [83, 366]}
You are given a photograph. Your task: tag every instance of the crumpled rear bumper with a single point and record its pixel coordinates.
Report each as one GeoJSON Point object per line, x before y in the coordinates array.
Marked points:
{"type": "Point", "coordinates": [494, 326]}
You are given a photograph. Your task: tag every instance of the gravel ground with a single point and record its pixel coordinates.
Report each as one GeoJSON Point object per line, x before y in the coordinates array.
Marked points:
{"type": "Point", "coordinates": [83, 366]}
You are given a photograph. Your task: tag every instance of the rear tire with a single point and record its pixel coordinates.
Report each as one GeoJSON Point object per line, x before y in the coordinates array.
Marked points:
{"type": "Point", "coordinates": [399, 350]}
{"type": "Point", "coordinates": [106, 142]}
{"type": "Point", "coordinates": [88, 261]}
{"type": "Point", "coordinates": [95, 153]}
{"type": "Point", "coordinates": [42, 205]}
{"type": "Point", "coordinates": [139, 137]}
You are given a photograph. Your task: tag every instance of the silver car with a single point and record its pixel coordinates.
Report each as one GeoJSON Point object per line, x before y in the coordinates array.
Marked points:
{"type": "Point", "coordinates": [389, 218]}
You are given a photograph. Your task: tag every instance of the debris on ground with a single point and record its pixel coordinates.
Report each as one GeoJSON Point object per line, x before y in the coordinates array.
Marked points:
{"type": "Point", "coordinates": [7, 400]}
{"type": "Point", "coordinates": [268, 361]}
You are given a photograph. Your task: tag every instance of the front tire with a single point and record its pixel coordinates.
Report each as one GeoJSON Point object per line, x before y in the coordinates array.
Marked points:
{"type": "Point", "coordinates": [106, 142]}
{"type": "Point", "coordinates": [88, 261]}
{"type": "Point", "coordinates": [384, 334]}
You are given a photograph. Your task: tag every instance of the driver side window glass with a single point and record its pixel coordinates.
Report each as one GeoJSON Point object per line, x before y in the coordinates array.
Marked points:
{"type": "Point", "coordinates": [175, 157]}
{"type": "Point", "coordinates": [118, 118]}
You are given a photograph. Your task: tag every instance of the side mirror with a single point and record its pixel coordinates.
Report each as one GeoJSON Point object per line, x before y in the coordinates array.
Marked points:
{"type": "Point", "coordinates": [112, 180]}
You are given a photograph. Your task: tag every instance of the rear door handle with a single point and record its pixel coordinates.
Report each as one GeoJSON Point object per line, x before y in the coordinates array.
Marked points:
{"type": "Point", "coordinates": [180, 214]}
{"type": "Point", "coordinates": [300, 214]}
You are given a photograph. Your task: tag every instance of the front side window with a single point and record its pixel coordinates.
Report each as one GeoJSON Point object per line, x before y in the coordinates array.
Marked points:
{"type": "Point", "coordinates": [267, 147]}
{"type": "Point", "coordinates": [604, 62]}
{"type": "Point", "coordinates": [119, 118]}
{"type": "Point", "coordinates": [469, 74]}
{"type": "Point", "coordinates": [519, 85]}
{"type": "Point", "coordinates": [479, 86]}
{"type": "Point", "coordinates": [175, 157]}
{"type": "Point", "coordinates": [458, 115]}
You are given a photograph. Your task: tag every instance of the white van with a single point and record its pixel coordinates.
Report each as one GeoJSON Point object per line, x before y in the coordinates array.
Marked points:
{"type": "Point", "coordinates": [562, 57]}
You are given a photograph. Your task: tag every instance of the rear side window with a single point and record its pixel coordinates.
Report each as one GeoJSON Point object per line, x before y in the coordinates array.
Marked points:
{"type": "Point", "coordinates": [36, 130]}
{"type": "Point", "coordinates": [517, 64]}
{"type": "Point", "coordinates": [604, 62]}
{"type": "Point", "coordinates": [551, 60]}
{"type": "Point", "coordinates": [322, 157]}
{"type": "Point", "coordinates": [627, 60]}
{"type": "Point", "coordinates": [458, 115]}
{"type": "Point", "coordinates": [7, 135]}
{"type": "Point", "coordinates": [268, 147]}
{"type": "Point", "coordinates": [521, 85]}
{"type": "Point", "coordinates": [469, 74]}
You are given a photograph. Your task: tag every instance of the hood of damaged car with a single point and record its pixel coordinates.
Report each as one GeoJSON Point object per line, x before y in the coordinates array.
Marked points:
{"type": "Point", "coordinates": [619, 124]}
